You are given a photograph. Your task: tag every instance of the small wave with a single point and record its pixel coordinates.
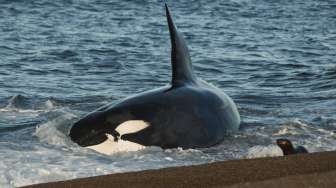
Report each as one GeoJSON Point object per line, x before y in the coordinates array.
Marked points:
{"type": "Point", "coordinates": [326, 122]}
{"type": "Point", "coordinates": [49, 104]}
{"type": "Point", "coordinates": [293, 65]}
{"type": "Point", "coordinates": [65, 54]}
{"type": "Point", "coordinates": [314, 137]}
{"type": "Point", "coordinates": [294, 127]}
{"type": "Point", "coordinates": [331, 72]}
{"type": "Point", "coordinates": [298, 127]}
{"type": "Point", "coordinates": [33, 112]}
{"type": "Point", "coordinates": [23, 104]}
{"type": "Point", "coordinates": [55, 132]}
{"type": "Point", "coordinates": [18, 126]}
{"type": "Point", "coordinates": [18, 101]}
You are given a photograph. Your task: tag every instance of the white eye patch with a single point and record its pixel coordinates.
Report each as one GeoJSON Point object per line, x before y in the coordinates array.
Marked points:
{"type": "Point", "coordinates": [110, 146]}
{"type": "Point", "coordinates": [131, 126]}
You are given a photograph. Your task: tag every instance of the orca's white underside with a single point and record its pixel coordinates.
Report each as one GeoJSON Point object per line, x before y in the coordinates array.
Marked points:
{"type": "Point", "coordinates": [111, 146]}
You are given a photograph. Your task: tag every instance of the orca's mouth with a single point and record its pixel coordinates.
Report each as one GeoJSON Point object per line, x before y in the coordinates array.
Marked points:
{"type": "Point", "coordinates": [91, 140]}
{"type": "Point", "coordinates": [84, 137]}
{"type": "Point", "coordinates": [87, 135]}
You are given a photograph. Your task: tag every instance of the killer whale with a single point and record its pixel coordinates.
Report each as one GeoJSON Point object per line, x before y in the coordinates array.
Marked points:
{"type": "Point", "coordinates": [187, 113]}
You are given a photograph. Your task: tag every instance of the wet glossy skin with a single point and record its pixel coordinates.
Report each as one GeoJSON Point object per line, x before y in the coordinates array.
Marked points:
{"type": "Point", "coordinates": [288, 148]}
{"type": "Point", "coordinates": [189, 113]}
{"type": "Point", "coordinates": [190, 116]}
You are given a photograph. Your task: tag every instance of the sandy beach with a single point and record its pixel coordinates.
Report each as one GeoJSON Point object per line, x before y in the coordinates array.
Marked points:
{"type": "Point", "coordinates": [304, 170]}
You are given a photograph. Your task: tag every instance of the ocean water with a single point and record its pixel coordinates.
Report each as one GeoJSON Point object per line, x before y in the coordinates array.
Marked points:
{"type": "Point", "coordinates": [62, 59]}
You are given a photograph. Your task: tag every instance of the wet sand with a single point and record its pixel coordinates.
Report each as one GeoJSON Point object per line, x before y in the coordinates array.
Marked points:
{"type": "Point", "coordinates": [313, 170]}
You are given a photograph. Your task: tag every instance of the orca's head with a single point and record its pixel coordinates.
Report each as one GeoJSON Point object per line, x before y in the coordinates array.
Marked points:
{"type": "Point", "coordinates": [89, 130]}
{"type": "Point", "coordinates": [95, 128]}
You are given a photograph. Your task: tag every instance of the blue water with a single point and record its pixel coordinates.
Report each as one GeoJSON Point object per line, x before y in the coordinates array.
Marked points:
{"type": "Point", "coordinates": [62, 59]}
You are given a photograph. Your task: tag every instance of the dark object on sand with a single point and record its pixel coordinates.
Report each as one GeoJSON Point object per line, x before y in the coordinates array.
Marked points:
{"type": "Point", "coordinates": [188, 113]}
{"type": "Point", "coordinates": [288, 148]}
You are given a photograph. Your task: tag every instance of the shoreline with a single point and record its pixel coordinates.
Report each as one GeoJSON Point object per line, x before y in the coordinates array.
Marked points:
{"type": "Point", "coordinates": [316, 169]}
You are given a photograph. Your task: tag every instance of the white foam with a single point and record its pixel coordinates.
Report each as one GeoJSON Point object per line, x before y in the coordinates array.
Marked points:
{"type": "Point", "coordinates": [264, 151]}
{"type": "Point", "coordinates": [50, 132]}
{"type": "Point", "coordinates": [29, 160]}
{"type": "Point", "coordinates": [49, 104]}
{"type": "Point", "coordinates": [6, 109]}
{"type": "Point", "coordinates": [110, 146]}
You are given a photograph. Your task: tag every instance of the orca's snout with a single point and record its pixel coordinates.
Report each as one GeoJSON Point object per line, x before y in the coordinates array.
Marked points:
{"type": "Point", "coordinates": [78, 135]}
{"type": "Point", "coordinates": [85, 137]}
{"type": "Point", "coordinates": [86, 133]}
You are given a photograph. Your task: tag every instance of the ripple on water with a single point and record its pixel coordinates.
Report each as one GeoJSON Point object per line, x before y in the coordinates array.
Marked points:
{"type": "Point", "coordinates": [274, 58]}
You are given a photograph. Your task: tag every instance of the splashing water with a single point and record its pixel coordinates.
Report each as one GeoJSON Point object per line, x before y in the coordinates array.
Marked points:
{"type": "Point", "coordinates": [275, 59]}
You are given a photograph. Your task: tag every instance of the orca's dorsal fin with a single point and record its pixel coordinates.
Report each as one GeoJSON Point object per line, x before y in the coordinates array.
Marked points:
{"type": "Point", "coordinates": [182, 71]}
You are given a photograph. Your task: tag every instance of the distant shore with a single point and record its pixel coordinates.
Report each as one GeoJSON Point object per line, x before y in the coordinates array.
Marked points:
{"type": "Point", "coordinates": [313, 170]}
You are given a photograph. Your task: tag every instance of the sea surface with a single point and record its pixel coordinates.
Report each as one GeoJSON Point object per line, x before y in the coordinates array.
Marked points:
{"type": "Point", "coordinates": [61, 59]}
